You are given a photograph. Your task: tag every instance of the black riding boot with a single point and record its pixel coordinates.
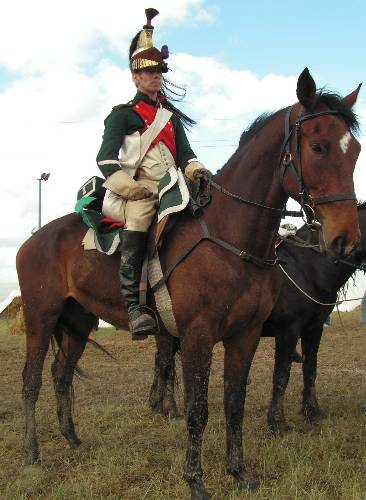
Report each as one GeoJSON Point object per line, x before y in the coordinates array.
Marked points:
{"type": "Point", "coordinates": [133, 248]}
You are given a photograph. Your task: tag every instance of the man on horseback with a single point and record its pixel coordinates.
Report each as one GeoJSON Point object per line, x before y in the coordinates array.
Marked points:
{"type": "Point", "coordinates": [142, 140]}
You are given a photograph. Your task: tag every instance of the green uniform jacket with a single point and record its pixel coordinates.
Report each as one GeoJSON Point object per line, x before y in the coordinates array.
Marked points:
{"type": "Point", "coordinates": [122, 121]}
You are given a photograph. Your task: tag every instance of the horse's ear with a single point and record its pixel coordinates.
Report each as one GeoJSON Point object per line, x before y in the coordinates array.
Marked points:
{"type": "Point", "coordinates": [351, 98]}
{"type": "Point", "coordinates": [306, 89]}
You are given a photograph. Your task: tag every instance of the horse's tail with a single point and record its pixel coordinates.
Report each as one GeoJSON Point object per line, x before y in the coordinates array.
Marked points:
{"type": "Point", "coordinates": [56, 339]}
{"type": "Point", "coordinates": [64, 327]}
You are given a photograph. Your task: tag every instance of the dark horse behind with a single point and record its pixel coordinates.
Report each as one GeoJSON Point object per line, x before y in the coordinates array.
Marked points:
{"type": "Point", "coordinates": [297, 316]}
{"type": "Point", "coordinates": [217, 295]}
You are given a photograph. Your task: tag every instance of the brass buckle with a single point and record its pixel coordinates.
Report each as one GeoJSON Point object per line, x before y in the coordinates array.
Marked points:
{"type": "Point", "coordinates": [287, 158]}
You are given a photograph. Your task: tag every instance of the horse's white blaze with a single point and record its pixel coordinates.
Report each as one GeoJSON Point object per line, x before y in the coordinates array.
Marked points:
{"type": "Point", "coordinates": [344, 142]}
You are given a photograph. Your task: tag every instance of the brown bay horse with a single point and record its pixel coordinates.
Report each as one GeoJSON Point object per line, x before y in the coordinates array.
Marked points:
{"type": "Point", "coordinates": [217, 294]}
{"type": "Point", "coordinates": [296, 315]}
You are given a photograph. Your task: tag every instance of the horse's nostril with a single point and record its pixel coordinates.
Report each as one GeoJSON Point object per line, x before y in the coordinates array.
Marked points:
{"type": "Point", "coordinates": [339, 245]}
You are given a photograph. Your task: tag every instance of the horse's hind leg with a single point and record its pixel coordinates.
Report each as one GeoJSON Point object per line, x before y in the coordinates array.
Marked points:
{"type": "Point", "coordinates": [38, 337]}
{"type": "Point", "coordinates": [161, 397]}
{"type": "Point", "coordinates": [285, 347]}
{"type": "Point", "coordinates": [310, 342]}
{"type": "Point", "coordinates": [62, 372]}
{"type": "Point", "coordinates": [239, 352]}
{"type": "Point", "coordinates": [72, 345]}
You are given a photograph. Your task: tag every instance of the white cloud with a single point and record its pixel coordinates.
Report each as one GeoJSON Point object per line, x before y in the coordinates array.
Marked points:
{"type": "Point", "coordinates": [360, 171]}
{"type": "Point", "coordinates": [42, 33]}
{"type": "Point", "coordinates": [220, 94]}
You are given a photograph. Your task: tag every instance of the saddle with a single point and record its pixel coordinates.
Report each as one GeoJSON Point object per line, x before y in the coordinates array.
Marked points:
{"type": "Point", "coordinates": [104, 233]}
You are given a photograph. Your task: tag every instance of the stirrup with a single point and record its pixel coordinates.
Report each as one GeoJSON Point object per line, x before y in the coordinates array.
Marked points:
{"type": "Point", "coordinates": [141, 324]}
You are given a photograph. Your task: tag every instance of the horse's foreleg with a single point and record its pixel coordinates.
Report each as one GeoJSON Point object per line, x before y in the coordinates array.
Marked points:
{"type": "Point", "coordinates": [161, 397]}
{"type": "Point", "coordinates": [239, 352]}
{"type": "Point", "coordinates": [285, 346]}
{"type": "Point", "coordinates": [310, 345]}
{"type": "Point", "coordinates": [37, 347]}
{"type": "Point", "coordinates": [63, 369]}
{"type": "Point", "coordinates": [196, 363]}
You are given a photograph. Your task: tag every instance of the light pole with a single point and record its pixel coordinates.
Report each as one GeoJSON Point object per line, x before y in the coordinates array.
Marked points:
{"type": "Point", "coordinates": [44, 177]}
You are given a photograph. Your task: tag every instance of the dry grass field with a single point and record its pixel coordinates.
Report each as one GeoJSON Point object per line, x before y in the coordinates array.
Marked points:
{"type": "Point", "coordinates": [128, 452]}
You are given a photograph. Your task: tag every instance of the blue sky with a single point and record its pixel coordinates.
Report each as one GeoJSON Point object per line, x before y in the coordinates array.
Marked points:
{"type": "Point", "coordinates": [64, 65]}
{"type": "Point", "coordinates": [281, 37]}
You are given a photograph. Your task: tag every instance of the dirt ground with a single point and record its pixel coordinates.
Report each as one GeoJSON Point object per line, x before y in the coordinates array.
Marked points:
{"type": "Point", "coordinates": [128, 452]}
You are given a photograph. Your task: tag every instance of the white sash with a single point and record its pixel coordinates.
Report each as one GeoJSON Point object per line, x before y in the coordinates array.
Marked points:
{"type": "Point", "coordinates": [161, 119]}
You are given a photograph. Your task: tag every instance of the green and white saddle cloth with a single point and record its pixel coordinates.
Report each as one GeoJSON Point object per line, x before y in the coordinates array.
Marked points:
{"type": "Point", "coordinates": [173, 193]}
{"type": "Point", "coordinates": [173, 198]}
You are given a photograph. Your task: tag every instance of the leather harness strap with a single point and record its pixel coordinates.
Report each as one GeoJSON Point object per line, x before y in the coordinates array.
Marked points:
{"type": "Point", "coordinates": [287, 161]}
{"type": "Point", "coordinates": [242, 254]}
{"type": "Point", "coordinates": [335, 197]}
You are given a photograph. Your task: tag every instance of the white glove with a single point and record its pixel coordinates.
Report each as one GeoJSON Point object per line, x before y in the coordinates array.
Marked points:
{"type": "Point", "coordinates": [122, 184]}
{"type": "Point", "coordinates": [138, 193]}
{"type": "Point", "coordinates": [195, 169]}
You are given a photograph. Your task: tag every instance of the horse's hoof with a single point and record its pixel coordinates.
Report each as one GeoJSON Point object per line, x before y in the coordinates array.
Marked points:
{"type": "Point", "coordinates": [156, 405]}
{"type": "Point", "coordinates": [198, 491]}
{"type": "Point", "coordinates": [74, 443]}
{"type": "Point", "coordinates": [248, 485]}
{"type": "Point", "coordinates": [313, 415]}
{"type": "Point", "coordinates": [32, 458]}
{"type": "Point", "coordinates": [279, 427]}
{"type": "Point", "coordinates": [244, 484]}
{"type": "Point", "coordinates": [72, 439]}
{"type": "Point", "coordinates": [282, 428]}
{"type": "Point", "coordinates": [170, 410]}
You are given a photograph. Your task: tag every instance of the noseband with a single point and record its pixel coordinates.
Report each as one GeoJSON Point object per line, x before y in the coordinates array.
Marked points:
{"type": "Point", "coordinates": [306, 201]}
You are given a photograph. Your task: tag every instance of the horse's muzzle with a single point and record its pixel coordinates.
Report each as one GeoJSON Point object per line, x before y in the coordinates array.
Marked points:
{"type": "Point", "coordinates": [341, 246]}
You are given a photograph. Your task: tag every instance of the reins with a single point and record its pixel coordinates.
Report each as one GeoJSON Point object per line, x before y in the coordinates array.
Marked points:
{"type": "Point", "coordinates": [303, 291]}
{"type": "Point", "coordinates": [241, 199]}
{"type": "Point", "coordinates": [361, 267]}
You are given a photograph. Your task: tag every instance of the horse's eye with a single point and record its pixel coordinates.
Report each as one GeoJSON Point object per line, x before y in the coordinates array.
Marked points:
{"type": "Point", "coordinates": [318, 148]}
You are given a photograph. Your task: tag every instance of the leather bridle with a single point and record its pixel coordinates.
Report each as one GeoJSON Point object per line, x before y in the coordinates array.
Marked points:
{"type": "Point", "coordinates": [306, 201]}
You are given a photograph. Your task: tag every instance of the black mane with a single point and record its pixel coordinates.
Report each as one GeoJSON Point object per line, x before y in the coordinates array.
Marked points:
{"type": "Point", "coordinates": [332, 100]}
{"type": "Point", "coordinates": [335, 102]}
{"type": "Point", "coordinates": [256, 126]}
